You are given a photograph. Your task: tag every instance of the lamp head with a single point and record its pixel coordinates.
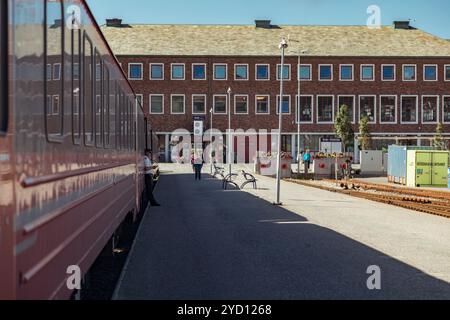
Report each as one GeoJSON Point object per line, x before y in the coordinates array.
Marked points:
{"type": "Point", "coordinates": [283, 44]}
{"type": "Point", "coordinates": [229, 91]}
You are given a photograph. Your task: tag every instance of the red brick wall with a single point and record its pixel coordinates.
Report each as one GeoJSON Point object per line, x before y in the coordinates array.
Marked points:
{"type": "Point", "coordinates": [168, 122]}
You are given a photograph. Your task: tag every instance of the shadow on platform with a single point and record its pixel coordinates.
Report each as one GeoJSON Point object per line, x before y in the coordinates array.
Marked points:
{"type": "Point", "coordinates": [205, 243]}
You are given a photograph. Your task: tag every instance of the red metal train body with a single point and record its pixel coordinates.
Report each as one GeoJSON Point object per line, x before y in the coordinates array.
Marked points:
{"type": "Point", "coordinates": [71, 139]}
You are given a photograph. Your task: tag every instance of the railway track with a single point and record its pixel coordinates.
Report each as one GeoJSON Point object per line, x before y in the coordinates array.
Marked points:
{"type": "Point", "coordinates": [401, 190]}
{"type": "Point", "coordinates": [430, 202]}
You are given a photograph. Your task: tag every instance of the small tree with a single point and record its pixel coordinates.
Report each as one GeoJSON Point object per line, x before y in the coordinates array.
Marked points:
{"type": "Point", "coordinates": [439, 141]}
{"type": "Point", "coordinates": [343, 127]}
{"type": "Point", "coordinates": [365, 137]}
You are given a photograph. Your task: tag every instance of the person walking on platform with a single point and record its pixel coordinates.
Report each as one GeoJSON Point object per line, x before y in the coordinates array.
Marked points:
{"type": "Point", "coordinates": [198, 165]}
{"type": "Point", "coordinates": [148, 173]}
{"type": "Point", "coordinates": [307, 161]}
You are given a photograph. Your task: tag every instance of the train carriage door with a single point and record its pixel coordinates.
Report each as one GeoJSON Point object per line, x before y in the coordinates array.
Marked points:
{"type": "Point", "coordinates": [7, 276]}
{"type": "Point", "coordinates": [3, 69]}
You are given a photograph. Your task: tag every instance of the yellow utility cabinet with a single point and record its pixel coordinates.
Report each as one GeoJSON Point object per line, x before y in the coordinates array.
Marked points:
{"type": "Point", "coordinates": [427, 168]}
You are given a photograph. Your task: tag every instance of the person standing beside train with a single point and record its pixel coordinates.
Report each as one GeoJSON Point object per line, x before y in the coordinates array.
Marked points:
{"type": "Point", "coordinates": [148, 173]}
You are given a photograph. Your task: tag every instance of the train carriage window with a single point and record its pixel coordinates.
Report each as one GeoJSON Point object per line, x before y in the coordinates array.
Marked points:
{"type": "Point", "coordinates": [112, 113]}
{"type": "Point", "coordinates": [3, 69]}
{"type": "Point", "coordinates": [106, 106]}
{"type": "Point", "coordinates": [54, 39]}
{"type": "Point", "coordinates": [98, 100]}
{"type": "Point", "coordinates": [125, 134]}
{"type": "Point", "coordinates": [76, 56]}
{"type": "Point", "coordinates": [132, 119]}
{"type": "Point", "coordinates": [122, 120]}
{"type": "Point", "coordinates": [133, 133]}
{"type": "Point", "coordinates": [130, 123]}
{"type": "Point", "coordinates": [88, 96]}
{"type": "Point", "coordinates": [117, 116]}
{"type": "Point", "coordinates": [126, 107]}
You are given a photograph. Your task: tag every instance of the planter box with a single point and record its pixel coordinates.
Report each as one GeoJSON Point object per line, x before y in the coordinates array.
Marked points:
{"type": "Point", "coordinates": [324, 168]}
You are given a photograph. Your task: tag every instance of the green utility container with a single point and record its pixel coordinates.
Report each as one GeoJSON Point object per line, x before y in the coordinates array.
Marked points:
{"type": "Point", "coordinates": [427, 168]}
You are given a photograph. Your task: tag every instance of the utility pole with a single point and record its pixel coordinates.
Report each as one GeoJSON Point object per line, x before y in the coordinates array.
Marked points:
{"type": "Point", "coordinates": [283, 45]}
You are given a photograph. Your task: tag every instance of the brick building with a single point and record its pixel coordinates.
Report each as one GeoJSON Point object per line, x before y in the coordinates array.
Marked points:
{"type": "Point", "coordinates": [396, 75]}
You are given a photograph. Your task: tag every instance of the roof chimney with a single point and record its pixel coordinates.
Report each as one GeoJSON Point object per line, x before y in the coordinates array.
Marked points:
{"type": "Point", "coordinates": [117, 23]}
{"type": "Point", "coordinates": [402, 25]}
{"type": "Point", "coordinates": [263, 24]}
{"type": "Point", "coordinates": [57, 23]}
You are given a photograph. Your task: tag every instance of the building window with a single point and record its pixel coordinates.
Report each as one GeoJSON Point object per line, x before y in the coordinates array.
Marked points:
{"type": "Point", "coordinates": [446, 109]}
{"type": "Point", "coordinates": [349, 101]}
{"type": "Point", "coordinates": [220, 104]}
{"type": "Point", "coordinates": [388, 72]}
{"type": "Point", "coordinates": [409, 72]}
{"type": "Point", "coordinates": [139, 98]}
{"type": "Point", "coordinates": [55, 105]}
{"type": "Point", "coordinates": [367, 72]}
{"type": "Point", "coordinates": [325, 109]}
{"type": "Point", "coordinates": [388, 109]}
{"type": "Point", "coordinates": [177, 71]}
{"type": "Point", "coordinates": [241, 104]}
{"type": "Point", "coordinates": [198, 104]}
{"type": "Point", "coordinates": [430, 73]}
{"type": "Point", "coordinates": [240, 72]}
{"type": "Point", "coordinates": [156, 71]}
{"type": "Point", "coordinates": [286, 72]}
{"type": "Point", "coordinates": [305, 113]}
{"type": "Point", "coordinates": [325, 72]}
{"type": "Point", "coordinates": [49, 72]}
{"type": "Point", "coordinates": [409, 109]}
{"type": "Point", "coordinates": [304, 72]}
{"type": "Point", "coordinates": [286, 144]}
{"type": "Point", "coordinates": [135, 71]}
{"type": "Point", "coordinates": [76, 71]}
{"type": "Point", "coordinates": [262, 72]}
{"type": "Point", "coordinates": [220, 72]}
{"type": "Point", "coordinates": [262, 104]}
{"type": "Point", "coordinates": [199, 71]}
{"type": "Point", "coordinates": [346, 72]}
{"type": "Point", "coordinates": [57, 71]}
{"type": "Point", "coordinates": [157, 104]}
{"type": "Point", "coordinates": [177, 104]}
{"type": "Point", "coordinates": [447, 73]}
{"type": "Point", "coordinates": [430, 109]}
{"type": "Point", "coordinates": [367, 108]}
{"type": "Point", "coordinates": [286, 106]}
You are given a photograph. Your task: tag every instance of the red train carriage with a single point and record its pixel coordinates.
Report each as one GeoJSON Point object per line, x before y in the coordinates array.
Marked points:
{"type": "Point", "coordinates": [71, 140]}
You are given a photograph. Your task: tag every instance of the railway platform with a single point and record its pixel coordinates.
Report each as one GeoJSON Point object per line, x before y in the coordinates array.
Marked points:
{"type": "Point", "coordinates": [210, 243]}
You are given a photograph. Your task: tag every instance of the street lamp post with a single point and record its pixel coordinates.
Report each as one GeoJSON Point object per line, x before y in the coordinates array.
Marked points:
{"type": "Point", "coordinates": [298, 108]}
{"type": "Point", "coordinates": [210, 141]}
{"type": "Point", "coordinates": [283, 45]}
{"type": "Point", "coordinates": [229, 130]}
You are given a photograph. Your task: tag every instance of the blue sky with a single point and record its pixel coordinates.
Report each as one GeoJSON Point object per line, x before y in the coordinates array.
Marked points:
{"type": "Point", "coordinates": [429, 15]}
